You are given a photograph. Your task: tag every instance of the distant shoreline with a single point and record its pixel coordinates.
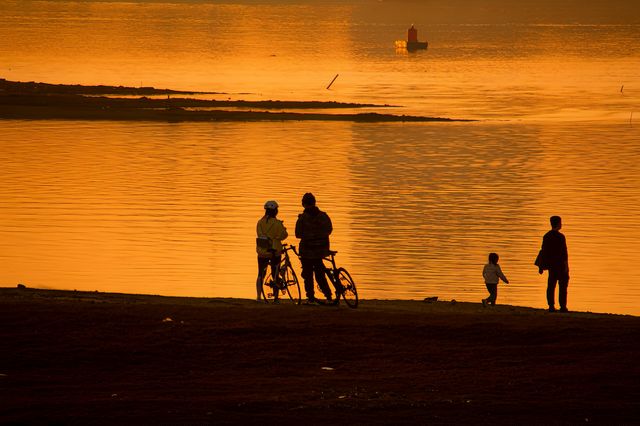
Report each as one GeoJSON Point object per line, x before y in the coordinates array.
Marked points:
{"type": "Point", "coordinates": [42, 101]}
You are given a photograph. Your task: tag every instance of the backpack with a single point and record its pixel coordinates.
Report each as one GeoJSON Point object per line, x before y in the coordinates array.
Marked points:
{"type": "Point", "coordinates": [263, 241]}
{"type": "Point", "coordinates": [539, 263]}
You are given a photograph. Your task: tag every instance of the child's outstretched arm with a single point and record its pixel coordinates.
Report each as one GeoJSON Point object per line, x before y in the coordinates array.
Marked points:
{"type": "Point", "coordinates": [501, 275]}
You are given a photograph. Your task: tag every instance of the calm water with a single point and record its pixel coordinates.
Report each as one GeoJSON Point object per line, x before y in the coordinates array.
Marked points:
{"type": "Point", "coordinates": [171, 208]}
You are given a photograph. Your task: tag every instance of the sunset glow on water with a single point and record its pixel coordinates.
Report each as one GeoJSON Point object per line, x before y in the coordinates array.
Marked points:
{"type": "Point", "coordinates": [168, 208]}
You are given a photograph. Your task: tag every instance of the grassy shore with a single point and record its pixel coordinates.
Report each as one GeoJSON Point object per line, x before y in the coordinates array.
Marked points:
{"type": "Point", "coordinates": [100, 358]}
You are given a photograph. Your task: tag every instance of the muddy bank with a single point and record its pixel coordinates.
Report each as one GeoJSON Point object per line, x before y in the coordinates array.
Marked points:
{"type": "Point", "coordinates": [61, 102]}
{"type": "Point", "coordinates": [82, 357]}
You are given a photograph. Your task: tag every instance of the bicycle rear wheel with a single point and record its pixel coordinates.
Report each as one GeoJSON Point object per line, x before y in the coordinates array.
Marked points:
{"type": "Point", "coordinates": [268, 291]}
{"type": "Point", "coordinates": [289, 284]}
{"type": "Point", "coordinates": [349, 291]}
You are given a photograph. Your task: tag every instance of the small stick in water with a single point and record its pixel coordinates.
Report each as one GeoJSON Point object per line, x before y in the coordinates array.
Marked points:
{"type": "Point", "coordinates": [334, 79]}
{"type": "Point", "coordinates": [622, 88]}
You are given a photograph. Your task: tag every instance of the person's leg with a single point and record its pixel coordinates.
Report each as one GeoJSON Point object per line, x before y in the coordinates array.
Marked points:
{"type": "Point", "coordinates": [307, 276]}
{"type": "Point", "coordinates": [321, 278]}
{"type": "Point", "coordinates": [563, 284]}
{"type": "Point", "coordinates": [263, 262]}
{"type": "Point", "coordinates": [551, 289]}
{"type": "Point", "coordinates": [275, 263]}
{"type": "Point", "coordinates": [493, 293]}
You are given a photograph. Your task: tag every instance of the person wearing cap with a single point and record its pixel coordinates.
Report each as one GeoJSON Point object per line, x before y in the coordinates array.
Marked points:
{"type": "Point", "coordinates": [313, 228]}
{"type": "Point", "coordinates": [270, 234]}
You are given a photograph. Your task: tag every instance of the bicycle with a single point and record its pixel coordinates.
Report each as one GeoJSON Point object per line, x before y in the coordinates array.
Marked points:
{"type": "Point", "coordinates": [340, 278]}
{"type": "Point", "coordinates": [286, 281]}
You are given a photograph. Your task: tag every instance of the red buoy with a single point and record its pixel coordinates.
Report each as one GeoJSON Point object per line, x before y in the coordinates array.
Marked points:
{"type": "Point", "coordinates": [412, 36]}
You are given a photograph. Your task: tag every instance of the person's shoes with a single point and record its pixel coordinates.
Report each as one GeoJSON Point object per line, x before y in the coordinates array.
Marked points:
{"type": "Point", "coordinates": [276, 301]}
{"type": "Point", "coordinates": [552, 309]}
{"type": "Point", "coordinates": [310, 301]}
{"type": "Point", "coordinates": [564, 309]}
{"type": "Point", "coordinates": [484, 303]}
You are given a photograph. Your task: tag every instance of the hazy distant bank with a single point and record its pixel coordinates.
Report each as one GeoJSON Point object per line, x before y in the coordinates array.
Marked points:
{"type": "Point", "coordinates": [462, 11]}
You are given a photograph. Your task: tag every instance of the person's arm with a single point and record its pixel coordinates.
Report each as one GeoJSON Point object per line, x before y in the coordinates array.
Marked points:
{"type": "Point", "coordinates": [283, 232]}
{"type": "Point", "coordinates": [328, 226]}
{"type": "Point", "coordinates": [501, 275]}
{"type": "Point", "coordinates": [563, 249]}
{"type": "Point", "coordinates": [299, 227]}
{"type": "Point", "coordinates": [565, 254]}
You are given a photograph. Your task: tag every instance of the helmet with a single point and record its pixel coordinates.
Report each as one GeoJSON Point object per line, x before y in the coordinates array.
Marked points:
{"type": "Point", "coordinates": [271, 205]}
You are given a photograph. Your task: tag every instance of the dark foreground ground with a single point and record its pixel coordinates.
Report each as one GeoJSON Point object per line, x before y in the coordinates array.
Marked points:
{"type": "Point", "coordinates": [96, 358]}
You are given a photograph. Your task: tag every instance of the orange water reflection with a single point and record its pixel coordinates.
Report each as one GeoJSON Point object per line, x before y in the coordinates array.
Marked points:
{"type": "Point", "coordinates": [171, 209]}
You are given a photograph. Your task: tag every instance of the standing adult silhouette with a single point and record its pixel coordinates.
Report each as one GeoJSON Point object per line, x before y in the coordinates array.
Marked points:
{"type": "Point", "coordinates": [270, 232]}
{"type": "Point", "coordinates": [555, 258]}
{"type": "Point", "coordinates": [313, 228]}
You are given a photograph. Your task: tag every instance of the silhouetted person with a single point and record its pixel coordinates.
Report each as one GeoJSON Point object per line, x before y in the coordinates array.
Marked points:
{"type": "Point", "coordinates": [555, 258]}
{"type": "Point", "coordinates": [270, 233]}
{"type": "Point", "coordinates": [492, 274]}
{"type": "Point", "coordinates": [313, 228]}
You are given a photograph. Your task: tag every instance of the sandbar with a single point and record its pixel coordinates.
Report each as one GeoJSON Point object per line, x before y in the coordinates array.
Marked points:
{"type": "Point", "coordinates": [42, 101]}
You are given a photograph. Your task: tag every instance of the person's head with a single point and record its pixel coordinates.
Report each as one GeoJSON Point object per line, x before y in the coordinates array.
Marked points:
{"type": "Point", "coordinates": [308, 200]}
{"type": "Point", "coordinates": [493, 258]}
{"type": "Point", "coordinates": [556, 222]}
{"type": "Point", "coordinates": [271, 208]}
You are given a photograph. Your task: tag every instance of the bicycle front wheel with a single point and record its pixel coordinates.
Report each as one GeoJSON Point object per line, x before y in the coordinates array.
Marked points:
{"type": "Point", "coordinates": [289, 284]}
{"type": "Point", "coordinates": [349, 291]}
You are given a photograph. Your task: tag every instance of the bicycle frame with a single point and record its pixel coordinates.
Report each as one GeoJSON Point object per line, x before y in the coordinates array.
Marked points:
{"type": "Point", "coordinates": [284, 261]}
{"type": "Point", "coordinates": [282, 278]}
{"type": "Point", "coordinates": [336, 274]}
{"type": "Point", "coordinates": [332, 272]}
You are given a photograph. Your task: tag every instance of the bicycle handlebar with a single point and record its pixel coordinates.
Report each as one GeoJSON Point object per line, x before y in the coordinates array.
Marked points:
{"type": "Point", "coordinates": [295, 251]}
